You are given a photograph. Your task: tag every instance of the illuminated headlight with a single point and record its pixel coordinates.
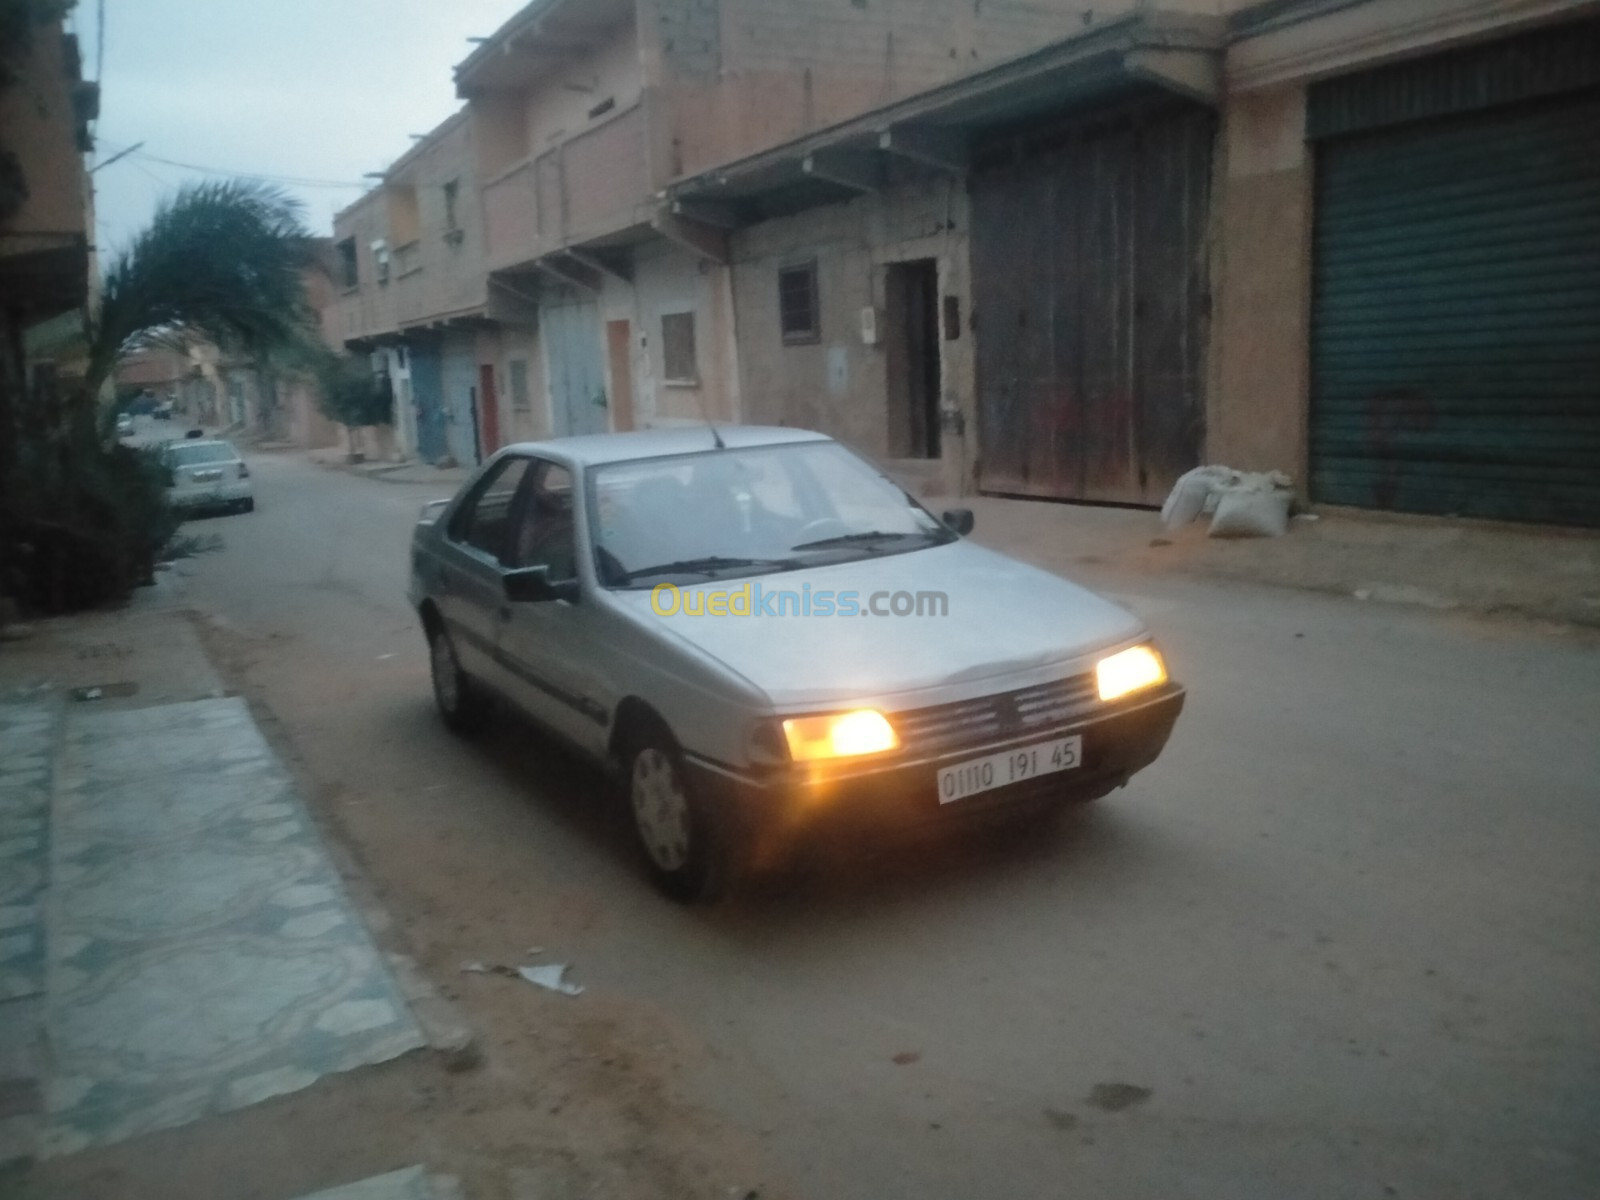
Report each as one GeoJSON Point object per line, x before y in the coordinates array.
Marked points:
{"type": "Point", "coordinates": [1128, 671]}
{"type": "Point", "coordinates": [839, 735]}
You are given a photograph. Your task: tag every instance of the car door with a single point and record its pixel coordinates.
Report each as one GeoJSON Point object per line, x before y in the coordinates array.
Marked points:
{"type": "Point", "coordinates": [467, 586]}
{"type": "Point", "coordinates": [547, 647]}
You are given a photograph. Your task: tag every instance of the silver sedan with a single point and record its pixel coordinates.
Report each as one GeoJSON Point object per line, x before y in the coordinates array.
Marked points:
{"type": "Point", "coordinates": [760, 634]}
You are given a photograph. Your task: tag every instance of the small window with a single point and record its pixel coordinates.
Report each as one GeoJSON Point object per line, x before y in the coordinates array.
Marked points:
{"type": "Point", "coordinates": [798, 313]}
{"type": "Point", "coordinates": [349, 276]}
{"type": "Point", "coordinates": [452, 192]}
{"type": "Point", "coordinates": [546, 534]}
{"type": "Point", "coordinates": [520, 400]}
{"type": "Point", "coordinates": [484, 520]}
{"type": "Point", "coordinates": [677, 348]}
{"type": "Point", "coordinates": [380, 260]}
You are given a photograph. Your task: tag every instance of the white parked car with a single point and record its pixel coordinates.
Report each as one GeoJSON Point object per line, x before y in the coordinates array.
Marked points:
{"type": "Point", "coordinates": [760, 633]}
{"type": "Point", "coordinates": [207, 473]}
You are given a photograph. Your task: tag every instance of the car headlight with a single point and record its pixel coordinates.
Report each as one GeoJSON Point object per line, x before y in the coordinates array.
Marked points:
{"type": "Point", "coordinates": [839, 735]}
{"type": "Point", "coordinates": [1129, 670]}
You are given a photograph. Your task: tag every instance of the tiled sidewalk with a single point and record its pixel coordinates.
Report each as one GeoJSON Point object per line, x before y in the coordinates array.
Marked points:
{"type": "Point", "coordinates": [27, 742]}
{"type": "Point", "coordinates": [202, 955]}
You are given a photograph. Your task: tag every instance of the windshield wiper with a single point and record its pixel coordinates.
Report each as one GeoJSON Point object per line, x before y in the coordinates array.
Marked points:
{"type": "Point", "coordinates": [871, 535]}
{"type": "Point", "coordinates": [708, 565]}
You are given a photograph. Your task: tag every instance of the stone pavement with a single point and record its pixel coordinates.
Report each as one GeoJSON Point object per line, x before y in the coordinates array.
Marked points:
{"type": "Point", "coordinates": [202, 954]}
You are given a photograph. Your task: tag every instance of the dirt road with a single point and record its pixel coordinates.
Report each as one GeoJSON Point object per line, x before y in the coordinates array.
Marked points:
{"type": "Point", "coordinates": [1341, 941]}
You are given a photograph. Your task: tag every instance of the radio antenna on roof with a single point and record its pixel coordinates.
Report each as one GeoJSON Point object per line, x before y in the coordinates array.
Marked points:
{"type": "Point", "coordinates": [716, 434]}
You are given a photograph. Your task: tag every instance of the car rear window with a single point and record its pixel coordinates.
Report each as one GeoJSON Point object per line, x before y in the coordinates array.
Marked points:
{"type": "Point", "coordinates": [205, 452]}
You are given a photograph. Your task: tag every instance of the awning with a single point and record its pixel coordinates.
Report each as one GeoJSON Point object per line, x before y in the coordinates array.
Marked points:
{"type": "Point", "coordinates": [934, 131]}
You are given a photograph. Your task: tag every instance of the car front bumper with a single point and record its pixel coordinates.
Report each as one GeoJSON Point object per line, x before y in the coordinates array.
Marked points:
{"type": "Point", "coordinates": [219, 496]}
{"type": "Point", "coordinates": [1117, 741]}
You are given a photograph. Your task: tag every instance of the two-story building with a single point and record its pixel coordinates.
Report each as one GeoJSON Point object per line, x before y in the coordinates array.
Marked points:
{"type": "Point", "coordinates": [415, 292]}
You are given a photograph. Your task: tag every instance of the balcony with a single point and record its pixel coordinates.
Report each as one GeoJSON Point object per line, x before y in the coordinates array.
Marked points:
{"type": "Point", "coordinates": [591, 188]}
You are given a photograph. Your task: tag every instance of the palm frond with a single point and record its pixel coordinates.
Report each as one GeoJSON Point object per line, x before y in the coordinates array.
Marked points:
{"type": "Point", "coordinates": [222, 260]}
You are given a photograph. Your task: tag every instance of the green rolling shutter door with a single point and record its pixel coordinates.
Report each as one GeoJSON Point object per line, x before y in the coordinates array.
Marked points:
{"type": "Point", "coordinates": [1456, 313]}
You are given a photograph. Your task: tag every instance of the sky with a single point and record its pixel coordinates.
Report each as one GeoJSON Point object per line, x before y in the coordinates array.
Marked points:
{"type": "Point", "coordinates": [323, 90]}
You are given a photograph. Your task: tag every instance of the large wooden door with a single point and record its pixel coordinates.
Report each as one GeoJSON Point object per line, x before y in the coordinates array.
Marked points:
{"type": "Point", "coordinates": [488, 410]}
{"type": "Point", "coordinates": [1090, 293]}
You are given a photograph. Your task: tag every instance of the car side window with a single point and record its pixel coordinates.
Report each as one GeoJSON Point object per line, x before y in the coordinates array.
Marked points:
{"type": "Point", "coordinates": [546, 535]}
{"type": "Point", "coordinates": [485, 520]}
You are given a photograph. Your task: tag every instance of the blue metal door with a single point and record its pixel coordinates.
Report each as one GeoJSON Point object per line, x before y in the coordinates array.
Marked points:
{"type": "Point", "coordinates": [427, 391]}
{"type": "Point", "coordinates": [461, 393]}
{"type": "Point", "coordinates": [577, 375]}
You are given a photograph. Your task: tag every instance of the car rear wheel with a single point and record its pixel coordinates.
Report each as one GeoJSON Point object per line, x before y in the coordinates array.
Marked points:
{"type": "Point", "coordinates": [460, 700]}
{"type": "Point", "coordinates": [684, 851]}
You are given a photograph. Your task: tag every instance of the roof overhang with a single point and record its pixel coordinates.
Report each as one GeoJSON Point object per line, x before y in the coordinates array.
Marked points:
{"type": "Point", "coordinates": [935, 131]}
{"type": "Point", "coordinates": [543, 34]}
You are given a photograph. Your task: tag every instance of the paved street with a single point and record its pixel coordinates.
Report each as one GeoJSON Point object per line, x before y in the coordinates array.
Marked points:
{"type": "Point", "coordinates": [1340, 941]}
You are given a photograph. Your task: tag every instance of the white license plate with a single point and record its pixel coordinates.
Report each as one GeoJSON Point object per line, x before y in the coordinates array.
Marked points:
{"type": "Point", "coordinates": [1008, 767]}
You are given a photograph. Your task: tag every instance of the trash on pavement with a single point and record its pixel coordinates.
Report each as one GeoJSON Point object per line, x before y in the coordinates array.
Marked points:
{"type": "Point", "coordinates": [1241, 503]}
{"type": "Point", "coordinates": [550, 975]}
{"type": "Point", "coordinates": [1252, 513]}
{"type": "Point", "coordinates": [482, 968]}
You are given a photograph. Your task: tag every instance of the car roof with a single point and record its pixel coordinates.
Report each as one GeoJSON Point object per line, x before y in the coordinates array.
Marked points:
{"type": "Point", "coordinates": [594, 449]}
{"type": "Point", "coordinates": [199, 442]}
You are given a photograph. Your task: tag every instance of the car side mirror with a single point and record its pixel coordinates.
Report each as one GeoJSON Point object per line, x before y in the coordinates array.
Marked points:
{"type": "Point", "coordinates": [959, 519]}
{"type": "Point", "coordinates": [532, 585]}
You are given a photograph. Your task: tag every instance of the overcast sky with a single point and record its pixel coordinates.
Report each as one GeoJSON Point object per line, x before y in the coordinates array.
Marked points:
{"type": "Point", "coordinates": [312, 89]}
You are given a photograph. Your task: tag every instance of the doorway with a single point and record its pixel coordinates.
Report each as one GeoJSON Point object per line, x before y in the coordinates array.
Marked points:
{"type": "Point", "coordinates": [619, 355]}
{"type": "Point", "coordinates": [911, 318]}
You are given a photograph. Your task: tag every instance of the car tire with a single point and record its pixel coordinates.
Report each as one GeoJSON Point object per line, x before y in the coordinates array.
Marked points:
{"type": "Point", "coordinates": [685, 851]}
{"type": "Point", "coordinates": [462, 704]}
{"type": "Point", "coordinates": [247, 505]}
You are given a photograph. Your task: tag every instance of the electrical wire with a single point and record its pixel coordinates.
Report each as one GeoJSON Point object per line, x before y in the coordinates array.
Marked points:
{"type": "Point", "coordinates": [288, 180]}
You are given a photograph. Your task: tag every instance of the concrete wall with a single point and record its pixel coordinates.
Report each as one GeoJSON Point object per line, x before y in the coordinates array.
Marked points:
{"type": "Point", "coordinates": [667, 279]}
{"type": "Point", "coordinates": [733, 77]}
{"type": "Point", "coordinates": [548, 167]}
{"type": "Point", "coordinates": [1257, 406]}
{"type": "Point", "coordinates": [368, 309]}
{"type": "Point", "coordinates": [840, 384]}
{"type": "Point", "coordinates": [441, 272]}
{"type": "Point", "coordinates": [41, 128]}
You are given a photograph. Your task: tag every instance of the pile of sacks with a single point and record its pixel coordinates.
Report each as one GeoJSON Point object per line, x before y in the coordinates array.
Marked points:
{"type": "Point", "coordinates": [1240, 503]}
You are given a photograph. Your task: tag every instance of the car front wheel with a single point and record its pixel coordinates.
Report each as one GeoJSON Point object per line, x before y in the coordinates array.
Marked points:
{"type": "Point", "coordinates": [460, 702]}
{"type": "Point", "coordinates": [683, 849]}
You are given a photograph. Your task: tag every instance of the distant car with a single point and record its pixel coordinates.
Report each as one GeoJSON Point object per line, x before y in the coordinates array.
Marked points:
{"type": "Point", "coordinates": [640, 595]}
{"type": "Point", "coordinates": [124, 424]}
{"type": "Point", "coordinates": [207, 474]}
{"type": "Point", "coordinates": [163, 411]}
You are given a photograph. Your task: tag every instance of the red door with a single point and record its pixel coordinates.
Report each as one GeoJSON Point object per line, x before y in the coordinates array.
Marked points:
{"type": "Point", "coordinates": [488, 411]}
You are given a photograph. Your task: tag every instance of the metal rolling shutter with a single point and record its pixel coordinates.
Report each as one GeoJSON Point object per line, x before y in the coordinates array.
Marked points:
{"type": "Point", "coordinates": [1456, 312]}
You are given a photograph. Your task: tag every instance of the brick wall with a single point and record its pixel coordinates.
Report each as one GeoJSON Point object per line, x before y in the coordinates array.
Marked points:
{"type": "Point", "coordinates": [839, 385]}
{"type": "Point", "coordinates": [737, 76]}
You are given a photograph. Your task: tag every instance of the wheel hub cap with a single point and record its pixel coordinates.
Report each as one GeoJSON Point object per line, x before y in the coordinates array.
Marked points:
{"type": "Point", "coordinates": [660, 810]}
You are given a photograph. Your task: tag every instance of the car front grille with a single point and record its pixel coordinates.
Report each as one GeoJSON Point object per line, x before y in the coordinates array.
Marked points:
{"type": "Point", "coordinates": [943, 728]}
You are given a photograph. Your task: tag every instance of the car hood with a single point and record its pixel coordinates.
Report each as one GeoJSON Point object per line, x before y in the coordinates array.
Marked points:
{"type": "Point", "coordinates": [1003, 617]}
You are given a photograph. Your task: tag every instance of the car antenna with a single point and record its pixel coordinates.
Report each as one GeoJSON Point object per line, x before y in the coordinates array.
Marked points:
{"type": "Point", "coordinates": [716, 434]}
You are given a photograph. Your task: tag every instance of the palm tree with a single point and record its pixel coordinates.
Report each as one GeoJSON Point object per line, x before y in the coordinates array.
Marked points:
{"type": "Point", "coordinates": [81, 516]}
{"type": "Point", "coordinates": [222, 261]}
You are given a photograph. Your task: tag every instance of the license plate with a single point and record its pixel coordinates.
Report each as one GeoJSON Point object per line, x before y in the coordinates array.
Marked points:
{"type": "Point", "coordinates": [206, 476]}
{"type": "Point", "coordinates": [1008, 767]}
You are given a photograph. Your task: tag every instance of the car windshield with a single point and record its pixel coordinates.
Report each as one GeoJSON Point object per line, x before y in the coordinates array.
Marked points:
{"type": "Point", "coordinates": [726, 513]}
{"type": "Point", "coordinates": [200, 452]}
